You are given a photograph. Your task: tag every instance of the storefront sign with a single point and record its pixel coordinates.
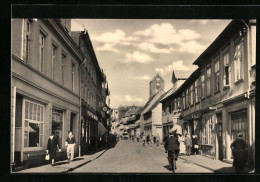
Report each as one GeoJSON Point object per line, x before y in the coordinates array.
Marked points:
{"type": "Point", "coordinates": [90, 114]}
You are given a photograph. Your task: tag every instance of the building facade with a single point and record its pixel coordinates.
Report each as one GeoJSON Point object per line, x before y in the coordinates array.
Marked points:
{"type": "Point", "coordinates": [93, 97]}
{"type": "Point", "coordinates": [45, 89]}
{"type": "Point", "coordinates": [218, 99]}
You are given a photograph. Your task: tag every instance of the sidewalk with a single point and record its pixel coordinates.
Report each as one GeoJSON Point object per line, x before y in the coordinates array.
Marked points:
{"type": "Point", "coordinates": [62, 166]}
{"type": "Point", "coordinates": [215, 166]}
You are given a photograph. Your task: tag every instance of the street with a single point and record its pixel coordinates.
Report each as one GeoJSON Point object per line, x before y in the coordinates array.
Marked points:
{"type": "Point", "coordinates": [132, 157]}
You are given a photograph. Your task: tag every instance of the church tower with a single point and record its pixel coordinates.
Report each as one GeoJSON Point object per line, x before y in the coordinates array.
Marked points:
{"type": "Point", "coordinates": [156, 85]}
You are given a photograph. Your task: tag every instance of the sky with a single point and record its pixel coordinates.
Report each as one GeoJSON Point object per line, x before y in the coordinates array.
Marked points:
{"type": "Point", "coordinates": [132, 51]}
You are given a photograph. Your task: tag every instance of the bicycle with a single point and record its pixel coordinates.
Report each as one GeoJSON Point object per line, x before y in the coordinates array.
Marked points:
{"type": "Point", "coordinates": [173, 160]}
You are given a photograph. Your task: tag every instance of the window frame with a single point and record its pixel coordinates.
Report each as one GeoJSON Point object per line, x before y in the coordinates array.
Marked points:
{"type": "Point", "coordinates": [53, 60]}
{"type": "Point", "coordinates": [27, 40]}
{"type": "Point", "coordinates": [208, 80]}
{"type": "Point", "coordinates": [42, 118]}
{"type": "Point", "coordinates": [238, 63]}
{"type": "Point", "coordinates": [217, 75]}
{"type": "Point", "coordinates": [226, 65]}
{"type": "Point", "coordinates": [202, 85]}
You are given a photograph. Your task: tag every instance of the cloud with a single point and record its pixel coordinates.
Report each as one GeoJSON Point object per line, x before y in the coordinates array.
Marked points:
{"type": "Point", "coordinates": [152, 48]}
{"type": "Point", "coordinates": [191, 47]}
{"type": "Point", "coordinates": [145, 77]}
{"type": "Point", "coordinates": [116, 37]}
{"type": "Point", "coordinates": [107, 47]}
{"type": "Point", "coordinates": [166, 34]}
{"type": "Point", "coordinates": [125, 99]}
{"type": "Point", "coordinates": [136, 56]}
{"type": "Point", "coordinates": [176, 65]}
{"type": "Point", "coordinates": [203, 22]}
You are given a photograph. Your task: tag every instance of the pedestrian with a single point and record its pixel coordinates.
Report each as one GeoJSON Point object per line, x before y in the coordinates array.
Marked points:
{"type": "Point", "coordinates": [239, 152]}
{"type": "Point", "coordinates": [144, 138]}
{"type": "Point", "coordinates": [182, 145]}
{"type": "Point", "coordinates": [157, 138]}
{"type": "Point", "coordinates": [70, 143]}
{"type": "Point", "coordinates": [147, 138]}
{"type": "Point", "coordinates": [137, 137]}
{"type": "Point", "coordinates": [195, 145]}
{"type": "Point", "coordinates": [154, 139]}
{"type": "Point", "coordinates": [171, 146]}
{"type": "Point", "coordinates": [188, 143]}
{"type": "Point", "coordinates": [52, 147]}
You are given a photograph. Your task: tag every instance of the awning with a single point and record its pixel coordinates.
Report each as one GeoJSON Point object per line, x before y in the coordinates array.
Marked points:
{"type": "Point", "coordinates": [101, 129]}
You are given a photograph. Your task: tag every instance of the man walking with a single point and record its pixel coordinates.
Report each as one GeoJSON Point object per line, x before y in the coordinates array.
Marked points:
{"type": "Point", "coordinates": [239, 151]}
{"type": "Point", "coordinates": [188, 144]}
{"type": "Point", "coordinates": [70, 143]}
{"type": "Point", "coordinates": [172, 146]}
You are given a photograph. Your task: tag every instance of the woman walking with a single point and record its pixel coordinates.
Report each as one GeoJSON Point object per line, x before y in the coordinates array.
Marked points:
{"type": "Point", "coordinates": [52, 147]}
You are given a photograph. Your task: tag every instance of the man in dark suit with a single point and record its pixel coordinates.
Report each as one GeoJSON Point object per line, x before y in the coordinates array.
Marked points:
{"type": "Point", "coordinates": [172, 145]}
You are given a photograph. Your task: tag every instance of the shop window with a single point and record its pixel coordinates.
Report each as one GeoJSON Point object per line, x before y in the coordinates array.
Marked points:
{"type": "Point", "coordinates": [239, 124]}
{"type": "Point", "coordinates": [33, 124]}
{"type": "Point", "coordinates": [57, 124]}
{"type": "Point", "coordinates": [207, 131]}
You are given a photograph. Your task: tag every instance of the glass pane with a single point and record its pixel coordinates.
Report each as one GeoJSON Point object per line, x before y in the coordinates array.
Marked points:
{"type": "Point", "coordinates": [30, 110]}
{"type": "Point", "coordinates": [40, 140]}
{"type": "Point", "coordinates": [41, 128]}
{"type": "Point", "coordinates": [25, 140]}
{"type": "Point", "coordinates": [41, 113]}
{"type": "Point", "coordinates": [26, 109]}
{"type": "Point", "coordinates": [34, 134]}
{"type": "Point", "coordinates": [26, 126]}
{"type": "Point", "coordinates": [38, 112]}
{"type": "Point", "coordinates": [34, 111]}
{"type": "Point", "coordinates": [57, 118]}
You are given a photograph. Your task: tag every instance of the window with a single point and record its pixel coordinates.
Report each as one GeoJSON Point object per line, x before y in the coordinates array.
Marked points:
{"type": "Point", "coordinates": [196, 91]}
{"type": "Point", "coordinates": [187, 98]}
{"type": "Point", "coordinates": [33, 124]}
{"type": "Point", "coordinates": [238, 61]}
{"type": "Point", "coordinates": [208, 81]}
{"type": "Point", "coordinates": [72, 75]}
{"type": "Point", "coordinates": [226, 69]}
{"type": "Point", "coordinates": [57, 125]}
{"type": "Point", "coordinates": [179, 102]}
{"type": "Point", "coordinates": [63, 68]}
{"type": "Point", "coordinates": [27, 40]}
{"type": "Point", "coordinates": [207, 131]}
{"type": "Point", "coordinates": [202, 78]}
{"type": "Point", "coordinates": [183, 100]}
{"type": "Point", "coordinates": [175, 103]}
{"type": "Point", "coordinates": [239, 124]}
{"type": "Point", "coordinates": [86, 93]}
{"type": "Point", "coordinates": [191, 94]}
{"type": "Point", "coordinates": [41, 51]}
{"type": "Point", "coordinates": [217, 76]}
{"type": "Point", "coordinates": [53, 62]}
{"type": "Point", "coordinates": [88, 99]}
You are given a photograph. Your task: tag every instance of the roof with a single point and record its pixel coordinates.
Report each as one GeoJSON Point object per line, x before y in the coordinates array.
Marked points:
{"type": "Point", "coordinates": [156, 103]}
{"type": "Point", "coordinates": [185, 84]}
{"type": "Point", "coordinates": [232, 28]}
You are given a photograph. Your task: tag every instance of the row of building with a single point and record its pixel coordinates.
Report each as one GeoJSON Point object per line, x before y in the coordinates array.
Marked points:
{"type": "Point", "coordinates": [57, 86]}
{"type": "Point", "coordinates": [216, 101]}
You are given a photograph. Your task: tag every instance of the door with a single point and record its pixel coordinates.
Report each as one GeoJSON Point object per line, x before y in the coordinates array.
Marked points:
{"type": "Point", "coordinates": [220, 141]}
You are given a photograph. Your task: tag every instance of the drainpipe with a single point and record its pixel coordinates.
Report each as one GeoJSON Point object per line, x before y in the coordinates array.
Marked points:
{"type": "Point", "coordinates": [80, 122]}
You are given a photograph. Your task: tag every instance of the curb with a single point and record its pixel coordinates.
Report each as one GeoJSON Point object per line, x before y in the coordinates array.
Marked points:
{"type": "Point", "coordinates": [186, 159]}
{"type": "Point", "coordinates": [82, 164]}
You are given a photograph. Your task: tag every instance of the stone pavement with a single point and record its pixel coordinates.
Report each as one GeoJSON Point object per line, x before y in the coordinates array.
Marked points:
{"type": "Point", "coordinates": [216, 166]}
{"type": "Point", "coordinates": [62, 166]}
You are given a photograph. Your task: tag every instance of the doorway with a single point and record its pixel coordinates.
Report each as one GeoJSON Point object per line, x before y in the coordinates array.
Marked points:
{"type": "Point", "coordinates": [220, 136]}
